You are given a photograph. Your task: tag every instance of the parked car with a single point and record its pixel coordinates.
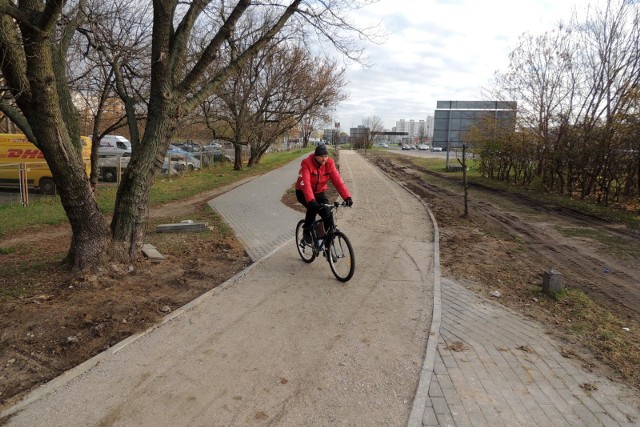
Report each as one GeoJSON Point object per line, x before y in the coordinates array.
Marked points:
{"type": "Point", "coordinates": [436, 149]}
{"type": "Point", "coordinates": [181, 159]}
{"type": "Point", "coordinates": [423, 147]}
{"type": "Point", "coordinates": [214, 155]}
{"type": "Point", "coordinates": [406, 147]}
{"type": "Point", "coordinates": [189, 146]}
{"type": "Point", "coordinates": [212, 146]}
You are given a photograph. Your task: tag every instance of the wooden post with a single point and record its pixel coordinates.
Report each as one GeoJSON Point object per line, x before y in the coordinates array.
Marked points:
{"type": "Point", "coordinates": [24, 184]}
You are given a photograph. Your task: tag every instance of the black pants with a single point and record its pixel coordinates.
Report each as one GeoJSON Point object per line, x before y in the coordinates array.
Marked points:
{"type": "Point", "coordinates": [324, 212]}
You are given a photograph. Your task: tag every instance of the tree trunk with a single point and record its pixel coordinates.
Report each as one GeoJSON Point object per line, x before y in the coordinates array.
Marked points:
{"type": "Point", "coordinates": [58, 138]}
{"type": "Point", "coordinates": [254, 155]}
{"type": "Point", "coordinates": [237, 163]}
{"type": "Point", "coordinates": [132, 199]}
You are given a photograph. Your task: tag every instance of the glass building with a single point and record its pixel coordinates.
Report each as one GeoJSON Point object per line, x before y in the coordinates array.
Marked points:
{"type": "Point", "coordinates": [453, 118]}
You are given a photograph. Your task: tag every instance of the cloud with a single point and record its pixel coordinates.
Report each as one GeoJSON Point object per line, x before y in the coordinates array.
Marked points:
{"type": "Point", "coordinates": [437, 50]}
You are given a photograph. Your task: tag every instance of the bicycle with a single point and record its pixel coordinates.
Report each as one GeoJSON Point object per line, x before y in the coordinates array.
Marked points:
{"type": "Point", "coordinates": [334, 246]}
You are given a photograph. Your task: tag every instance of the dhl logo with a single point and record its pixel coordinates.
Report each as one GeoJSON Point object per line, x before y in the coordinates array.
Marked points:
{"type": "Point", "coordinates": [16, 153]}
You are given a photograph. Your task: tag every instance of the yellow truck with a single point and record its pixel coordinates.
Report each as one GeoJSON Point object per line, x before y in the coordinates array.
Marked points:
{"type": "Point", "coordinates": [15, 149]}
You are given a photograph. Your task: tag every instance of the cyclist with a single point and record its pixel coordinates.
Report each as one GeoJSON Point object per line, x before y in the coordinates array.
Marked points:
{"type": "Point", "coordinates": [315, 172]}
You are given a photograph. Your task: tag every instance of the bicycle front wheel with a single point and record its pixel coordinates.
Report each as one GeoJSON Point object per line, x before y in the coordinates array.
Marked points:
{"type": "Point", "coordinates": [340, 257]}
{"type": "Point", "coordinates": [305, 250]}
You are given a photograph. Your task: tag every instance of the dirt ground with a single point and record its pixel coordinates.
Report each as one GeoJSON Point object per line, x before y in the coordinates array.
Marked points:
{"type": "Point", "coordinates": [51, 321]}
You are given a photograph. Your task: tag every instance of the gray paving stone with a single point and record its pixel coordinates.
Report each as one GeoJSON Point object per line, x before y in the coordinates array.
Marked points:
{"type": "Point", "coordinates": [473, 411]}
{"type": "Point", "coordinates": [429, 418]}
{"type": "Point", "coordinates": [460, 416]}
{"type": "Point", "coordinates": [444, 381]}
{"type": "Point", "coordinates": [261, 228]}
{"type": "Point", "coordinates": [586, 416]}
{"type": "Point", "coordinates": [439, 405]}
{"type": "Point", "coordinates": [449, 360]}
{"type": "Point", "coordinates": [434, 389]}
{"type": "Point", "coordinates": [439, 367]}
{"type": "Point", "coordinates": [452, 396]}
{"type": "Point", "coordinates": [445, 420]}
{"type": "Point", "coordinates": [606, 419]}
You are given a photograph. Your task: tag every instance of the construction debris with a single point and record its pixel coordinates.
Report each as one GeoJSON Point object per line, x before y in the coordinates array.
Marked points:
{"type": "Point", "coordinates": [186, 225]}
{"type": "Point", "coordinates": [152, 253]}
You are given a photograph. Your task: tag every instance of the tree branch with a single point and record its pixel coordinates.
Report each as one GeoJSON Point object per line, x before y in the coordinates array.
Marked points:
{"type": "Point", "coordinates": [17, 118]}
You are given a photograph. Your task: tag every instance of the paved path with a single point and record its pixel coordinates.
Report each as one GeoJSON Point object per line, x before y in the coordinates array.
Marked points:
{"type": "Point", "coordinates": [490, 366]}
{"type": "Point", "coordinates": [484, 365]}
{"type": "Point", "coordinates": [254, 211]}
{"type": "Point", "coordinates": [283, 342]}
{"type": "Point", "coordinates": [496, 368]}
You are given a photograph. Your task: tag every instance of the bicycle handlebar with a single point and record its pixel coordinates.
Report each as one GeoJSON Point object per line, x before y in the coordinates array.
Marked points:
{"type": "Point", "coordinates": [335, 204]}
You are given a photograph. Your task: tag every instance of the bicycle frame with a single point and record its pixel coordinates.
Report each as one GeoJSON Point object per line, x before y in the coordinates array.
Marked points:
{"type": "Point", "coordinates": [318, 248]}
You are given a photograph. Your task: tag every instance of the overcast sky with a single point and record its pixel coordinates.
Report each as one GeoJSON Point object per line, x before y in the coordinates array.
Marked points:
{"type": "Point", "coordinates": [439, 50]}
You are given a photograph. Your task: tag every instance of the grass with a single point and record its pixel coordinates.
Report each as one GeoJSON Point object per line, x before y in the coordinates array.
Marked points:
{"type": "Point", "coordinates": [608, 243]}
{"type": "Point", "coordinates": [48, 210]}
{"type": "Point", "coordinates": [600, 330]}
{"type": "Point", "coordinates": [15, 292]}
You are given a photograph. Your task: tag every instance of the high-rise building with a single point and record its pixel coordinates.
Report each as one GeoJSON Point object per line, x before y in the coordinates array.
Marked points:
{"type": "Point", "coordinates": [418, 131]}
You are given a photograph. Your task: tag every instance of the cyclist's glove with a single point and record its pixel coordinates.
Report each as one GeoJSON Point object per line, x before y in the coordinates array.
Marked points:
{"type": "Point", "coordinates": [348, 202]}
{"type": "Point", "coordinates": [314, 205]}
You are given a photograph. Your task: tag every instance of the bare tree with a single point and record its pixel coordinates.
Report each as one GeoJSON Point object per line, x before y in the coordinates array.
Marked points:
{"type": "Point", "coordinates": [311, 122]}
{"type": "Point", "coordinates": [373, 126]}
{"type": "Point", "coordinates": [540, 77]}
{"type": "Point", "coordinates": [271, 95]}
{"type": "Point", "coordinates": [108, 70]}
{"type": "Point", "coordinates": [296, 84]}
{"type": "Point", "coordinates": [34, 42]}
{"type": "Point", "coordinates": [576, 88]}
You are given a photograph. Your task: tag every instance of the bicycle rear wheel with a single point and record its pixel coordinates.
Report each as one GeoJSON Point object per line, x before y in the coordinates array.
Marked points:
{"type": "Point", "coordinates": [340, 256]}
{"type": "Point", "coordinates": [305, 250]}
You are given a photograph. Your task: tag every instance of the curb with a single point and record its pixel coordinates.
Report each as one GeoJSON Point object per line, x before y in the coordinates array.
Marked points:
{"type": "Point", "coordinates": [422, 392]}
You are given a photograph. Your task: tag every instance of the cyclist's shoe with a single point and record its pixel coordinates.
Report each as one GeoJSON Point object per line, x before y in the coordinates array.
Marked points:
{"type": "Point", "coordinates": [306, 233]}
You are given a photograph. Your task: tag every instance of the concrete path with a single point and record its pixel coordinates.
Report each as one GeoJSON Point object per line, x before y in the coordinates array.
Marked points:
{"type": "Point", "coordinates": [283, 342]}
{"type": "Point", "coordinates": [485, 365]}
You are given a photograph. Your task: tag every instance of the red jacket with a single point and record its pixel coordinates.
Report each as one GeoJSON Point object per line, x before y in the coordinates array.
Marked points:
{"type": "Point", "coordinates": [313, 178]}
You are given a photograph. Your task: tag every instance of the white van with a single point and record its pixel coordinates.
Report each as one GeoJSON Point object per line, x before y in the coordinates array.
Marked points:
{"type": "Point", "coordinates": [114, 145]}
